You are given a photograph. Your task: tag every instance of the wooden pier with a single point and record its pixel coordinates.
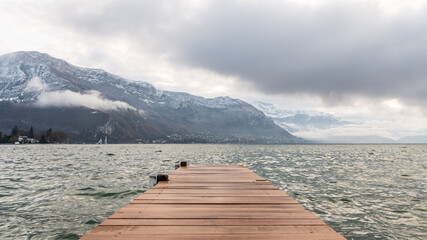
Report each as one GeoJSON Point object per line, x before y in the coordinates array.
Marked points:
{"type": "Point", "coordinates": [213, 202]}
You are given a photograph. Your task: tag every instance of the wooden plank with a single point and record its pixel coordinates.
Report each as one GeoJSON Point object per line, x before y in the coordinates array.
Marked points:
{"type": "Point", "coordinates": [199, 186]}
{"type": "Point", "coordinates": [208, 208]}
{"type": "Point", "coordinates": [214, 184]}
{"type": "Point", "coordinates": [219, 193]}
{"type": "Point", "coordinates": [180, 230]}
{"type": "Point", "coordinates": [213, 202]}
{"type": "Point", "coordinates": [221, 200]}
{"type": "Point", "coordinates": [214, 222]}
{"type": "Point", "coordinates": [223, 215]}
{"type": "Point", "coordinates": [223, 206]}
{"type": "Point", "coordinates": [229, 199]}
{"type": "Point", "coordinates": [256, 236]}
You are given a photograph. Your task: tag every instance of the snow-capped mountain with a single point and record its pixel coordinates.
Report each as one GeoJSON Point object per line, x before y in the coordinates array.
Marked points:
{"type": "Point", "coordinates": [27, 75]}
{"type": "Point", "coordinates": [271, 111]}
{"type": "Point", "coordinates": [35, 89]}
{"type": "Point", "coordinates": [295, 121]}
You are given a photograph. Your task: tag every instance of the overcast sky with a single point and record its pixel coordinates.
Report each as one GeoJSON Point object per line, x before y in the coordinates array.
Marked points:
{"type": "Point", "coordinates": [362, 60]}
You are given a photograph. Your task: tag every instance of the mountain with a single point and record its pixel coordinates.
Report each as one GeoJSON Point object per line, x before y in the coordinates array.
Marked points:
{"type": "Point", "coordinates": [413, 139]}
{"type": "Point", "coordinates": [295, 121]}
{"type": "Point", "coordinates": [37, 89]}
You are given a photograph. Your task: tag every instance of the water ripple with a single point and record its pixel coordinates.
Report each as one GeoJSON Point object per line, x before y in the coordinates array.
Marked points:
{"type": "Point", "coordinates": [362, 191]}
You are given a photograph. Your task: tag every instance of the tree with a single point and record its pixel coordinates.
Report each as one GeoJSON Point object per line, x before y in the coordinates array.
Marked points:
{"type": "Point", "coordinates": [31, 133]}
{"type": "Point", "coordinates": [43, 139]}
{"type": "Point", "coordinates": [15, 131]}
{"type": "Point", "coordinates": [59, 137]}
{"type": "Point", "coordinates": [49, 135]}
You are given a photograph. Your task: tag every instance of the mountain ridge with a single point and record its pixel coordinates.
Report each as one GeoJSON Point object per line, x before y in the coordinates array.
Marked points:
{"type": "Point", "coordinates": [34, 82]}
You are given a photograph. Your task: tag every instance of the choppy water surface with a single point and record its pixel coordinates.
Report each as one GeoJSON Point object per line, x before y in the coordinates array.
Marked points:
{"type": "Point", "coordinates": [362, 191]}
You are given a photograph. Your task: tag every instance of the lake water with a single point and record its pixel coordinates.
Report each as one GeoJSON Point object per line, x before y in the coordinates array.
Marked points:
{"type": "Point", "coordinates": [362, 191]}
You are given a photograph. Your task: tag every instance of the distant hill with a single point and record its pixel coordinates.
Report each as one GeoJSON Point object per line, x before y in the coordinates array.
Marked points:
{"type": "Point", "coordinates": [358, 139]}
{"type": "Point", "coordinates": [41, 91]}
{"type": "Point", "coordinates": [414, 139]}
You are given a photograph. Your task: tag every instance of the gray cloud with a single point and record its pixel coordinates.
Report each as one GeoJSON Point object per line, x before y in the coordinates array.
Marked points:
{"type": "Point", "coordinates": [331, 50]}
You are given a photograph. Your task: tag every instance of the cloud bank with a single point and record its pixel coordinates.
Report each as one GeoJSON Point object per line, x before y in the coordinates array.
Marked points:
{"type": "Point", "coordinates": [35, 84]}
{"type": "Point", "coordinates": [91, 99]}
{"type": "Point", "coordinates": [332, 49]}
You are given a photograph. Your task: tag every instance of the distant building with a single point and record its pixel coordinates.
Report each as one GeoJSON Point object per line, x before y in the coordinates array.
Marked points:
{"type": "Point", "coordinates": [32, 140]}
{"type": "Point", "coordinates": [26, 139]}
{"type": "Point", "coordinates": [22, 138]}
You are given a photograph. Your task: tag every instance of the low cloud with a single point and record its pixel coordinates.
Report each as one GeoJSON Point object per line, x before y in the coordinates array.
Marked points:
{"type": "Point", "coordinates": [35, 85]}
{"type": "Point", "coordinates": [390, 118]}
{"type": "Point", "coordinates": [91, 99]}
{"type": "Point", "coordinates": [353, 130]}
{"type": "Point", "coordinates": [365, 132]}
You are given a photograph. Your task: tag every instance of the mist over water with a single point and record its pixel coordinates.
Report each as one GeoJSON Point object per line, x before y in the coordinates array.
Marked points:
{"type": "Point", "coordinates": [362, 191]}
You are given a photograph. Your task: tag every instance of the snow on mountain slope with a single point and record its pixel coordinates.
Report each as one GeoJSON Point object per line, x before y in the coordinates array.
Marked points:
{"type": "Point", "coordinates": [24, 76]}
{"type": "Point", "coordinates": [39, 80]}
{"type": "Point", "coordinates": [295, 121]}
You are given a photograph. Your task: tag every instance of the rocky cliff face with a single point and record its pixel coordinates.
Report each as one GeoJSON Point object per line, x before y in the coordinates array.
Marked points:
{"type": "Point", "coordinates": [39, 90]}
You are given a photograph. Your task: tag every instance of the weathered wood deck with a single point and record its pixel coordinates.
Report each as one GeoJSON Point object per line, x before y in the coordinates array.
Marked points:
{"type": "Point", "coordinates": [213, 202]}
